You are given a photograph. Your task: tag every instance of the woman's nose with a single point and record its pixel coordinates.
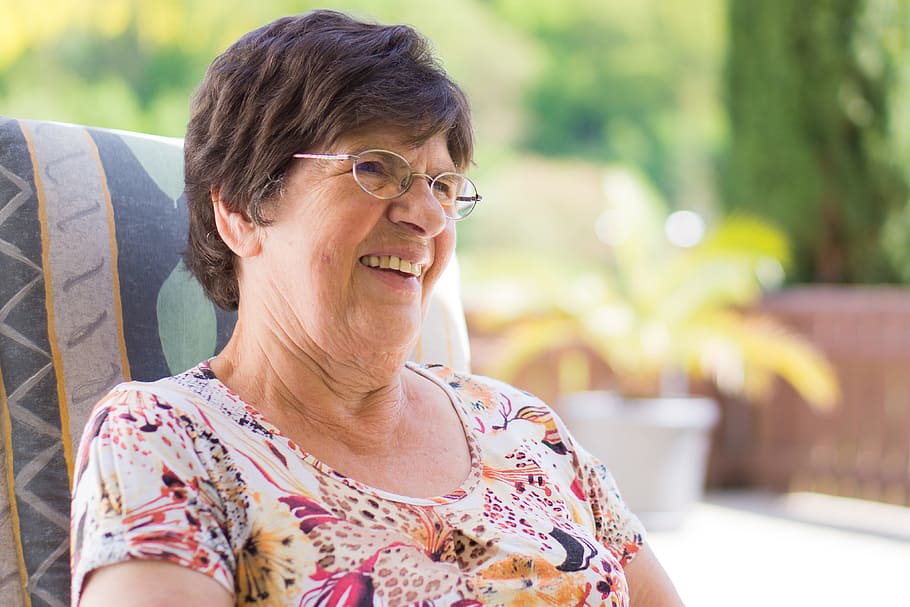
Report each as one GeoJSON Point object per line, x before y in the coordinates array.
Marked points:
{"type": "Point", "coordinates": [419, 209]}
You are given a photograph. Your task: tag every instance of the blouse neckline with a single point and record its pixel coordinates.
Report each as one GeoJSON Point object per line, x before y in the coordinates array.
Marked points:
{"type": "Point", "coordinates": [466, 487]}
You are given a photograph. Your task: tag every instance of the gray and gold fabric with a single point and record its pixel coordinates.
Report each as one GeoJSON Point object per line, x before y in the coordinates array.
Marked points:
{"type": "Point", "coordinates": [93, 292]}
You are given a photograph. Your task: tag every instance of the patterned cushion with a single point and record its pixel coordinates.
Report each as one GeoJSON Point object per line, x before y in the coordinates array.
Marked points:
{"type": "Point", "coordinates": [92, 223]}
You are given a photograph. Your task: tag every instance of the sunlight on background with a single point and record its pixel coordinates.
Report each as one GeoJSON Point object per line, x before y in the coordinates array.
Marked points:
{"type": "Point", "coordinates": [684, 228]}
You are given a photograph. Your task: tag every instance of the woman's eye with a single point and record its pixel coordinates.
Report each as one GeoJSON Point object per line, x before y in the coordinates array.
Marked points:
{"type": "Point", "coordinates": [445, 188]}
{"type": "Point", "coordinates": [372, 167]}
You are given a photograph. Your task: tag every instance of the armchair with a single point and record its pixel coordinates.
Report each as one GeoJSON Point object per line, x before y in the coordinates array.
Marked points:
{"type": "Point", "coordinates": [93, 292]}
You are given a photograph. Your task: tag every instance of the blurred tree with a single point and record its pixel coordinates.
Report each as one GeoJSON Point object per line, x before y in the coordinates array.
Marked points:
{"type": "Point", "coordinates": [127, 64]}
{"type": "Point", "coordinates": [813, 111]}
{"type": "Point", "coordinates": [635, 83]}
{"type": "Point", "coordinates": [132, 64]}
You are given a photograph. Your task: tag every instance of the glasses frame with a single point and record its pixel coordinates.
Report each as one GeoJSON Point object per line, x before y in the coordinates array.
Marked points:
{"type": "Point", "coordinates": [472, 200]}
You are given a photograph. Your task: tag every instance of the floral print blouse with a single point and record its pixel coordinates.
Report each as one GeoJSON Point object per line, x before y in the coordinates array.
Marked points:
{"type": "Point", "coordinates": [185, 471]}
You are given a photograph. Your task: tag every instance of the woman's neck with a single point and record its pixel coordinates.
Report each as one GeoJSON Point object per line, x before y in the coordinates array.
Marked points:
{"type": "Point", "coordinates": [300, 387]}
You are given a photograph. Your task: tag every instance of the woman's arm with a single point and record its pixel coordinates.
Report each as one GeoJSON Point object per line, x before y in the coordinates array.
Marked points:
{"type": "Point", "coordinates": [649, 584]}
{"type": "Point", "coordinates": [152, 584]}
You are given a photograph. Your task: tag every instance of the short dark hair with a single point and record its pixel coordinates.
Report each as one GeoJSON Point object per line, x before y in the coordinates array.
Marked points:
{"type": "Point", "coordinates": [294, 85]}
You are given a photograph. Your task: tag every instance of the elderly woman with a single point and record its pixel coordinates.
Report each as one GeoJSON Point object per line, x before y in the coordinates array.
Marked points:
{"type": "Point", "coordinates": [308, 463]}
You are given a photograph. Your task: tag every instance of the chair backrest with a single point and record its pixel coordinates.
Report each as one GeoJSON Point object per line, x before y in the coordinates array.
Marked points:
{"type": "Point", "coordinates": [92, 292]}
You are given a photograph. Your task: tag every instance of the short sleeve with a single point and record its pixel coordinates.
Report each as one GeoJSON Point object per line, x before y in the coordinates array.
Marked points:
{"type": "Point", "coordinates": [615, 525]}
{"type": "Point", "coordinates": [142, 490]}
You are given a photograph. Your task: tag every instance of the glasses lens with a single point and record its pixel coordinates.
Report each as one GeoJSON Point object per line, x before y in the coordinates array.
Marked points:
{"type": "Point", "coordinates": [456, 193]}
{"type": "Point", "coordinates": [382, 174]}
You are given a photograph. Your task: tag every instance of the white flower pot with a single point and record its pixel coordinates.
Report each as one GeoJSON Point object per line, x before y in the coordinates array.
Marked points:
{"type": "Point", "coordinates": [656, 448]}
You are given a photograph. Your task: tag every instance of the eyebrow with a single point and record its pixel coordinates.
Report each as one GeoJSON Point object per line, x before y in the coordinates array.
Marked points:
{"type": "Point", "coordinates": [451, 168]}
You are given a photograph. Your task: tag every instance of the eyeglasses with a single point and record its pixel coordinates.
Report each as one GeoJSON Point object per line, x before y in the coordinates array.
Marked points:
{"type": "Point", "coordinates": [385, 175]}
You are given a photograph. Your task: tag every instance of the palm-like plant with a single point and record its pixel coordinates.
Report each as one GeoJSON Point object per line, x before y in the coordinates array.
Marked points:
{"type": "Point", "coordinates": [653, 309]}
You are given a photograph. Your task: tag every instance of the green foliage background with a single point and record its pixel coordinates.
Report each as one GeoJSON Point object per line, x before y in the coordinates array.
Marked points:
{"type": "Point", "coordinates": [558, 89]}
{"type": "Point", "coordinates": [795, 111]}
{"type": "Point", "coordinates": [818, 111]}
{"type": "Point", "coordinates": [133, 63]}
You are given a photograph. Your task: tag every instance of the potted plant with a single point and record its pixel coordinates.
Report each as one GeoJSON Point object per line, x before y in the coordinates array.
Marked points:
{"type": "Point", "coordinates": [667, 304]}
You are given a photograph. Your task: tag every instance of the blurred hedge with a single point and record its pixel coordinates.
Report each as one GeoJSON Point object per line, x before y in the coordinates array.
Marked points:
{"type": "Point", "coordinates": [817, 98]}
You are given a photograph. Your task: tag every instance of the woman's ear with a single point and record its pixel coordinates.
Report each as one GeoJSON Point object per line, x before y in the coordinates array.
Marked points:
{"type": "Point", "coordinates": [240, 233]}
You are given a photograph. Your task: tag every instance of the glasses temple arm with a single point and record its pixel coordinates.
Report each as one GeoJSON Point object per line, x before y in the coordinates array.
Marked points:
{"type": "Point", "coordinates": [326, 156]}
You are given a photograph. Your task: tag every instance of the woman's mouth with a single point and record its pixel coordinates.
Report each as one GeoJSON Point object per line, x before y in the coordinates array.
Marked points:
{"type": "Point", "coordinates": [392, 262]}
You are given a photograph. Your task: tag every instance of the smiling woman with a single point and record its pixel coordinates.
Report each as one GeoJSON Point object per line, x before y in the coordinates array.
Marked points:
{"type": "Point", "coordinates": [308, 463]}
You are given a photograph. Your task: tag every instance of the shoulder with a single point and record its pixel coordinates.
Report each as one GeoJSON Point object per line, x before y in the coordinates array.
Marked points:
{"type": "Point", "coordinates": [137, 418]}
{"type": "Point", "coordinates": [186, 395]}
{"type": "Point", "coordinates": [479, 387]}
{"type": "Point", "coordinates": [504, 412]}
{"type": "Point", "coordinates": [144, 403]}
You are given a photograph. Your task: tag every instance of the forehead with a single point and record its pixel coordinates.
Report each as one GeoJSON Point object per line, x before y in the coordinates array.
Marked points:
{"type": "Point", "coordinates": [433, 152]}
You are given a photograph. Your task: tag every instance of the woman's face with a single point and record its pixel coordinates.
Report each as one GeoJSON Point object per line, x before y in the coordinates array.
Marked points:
{"type": "Point", "coordinates": [315, 276]}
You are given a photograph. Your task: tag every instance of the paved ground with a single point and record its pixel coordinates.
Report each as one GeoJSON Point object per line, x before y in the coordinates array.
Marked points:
{"type": "Point", "coordinates": [750, 549]}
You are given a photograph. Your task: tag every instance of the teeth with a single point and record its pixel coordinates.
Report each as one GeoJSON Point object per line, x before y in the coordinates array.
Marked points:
{"type": "Point", "coordinates": [391, 262]}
